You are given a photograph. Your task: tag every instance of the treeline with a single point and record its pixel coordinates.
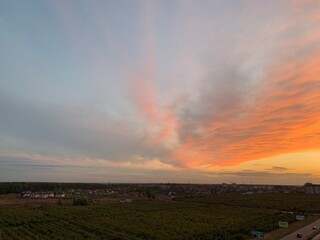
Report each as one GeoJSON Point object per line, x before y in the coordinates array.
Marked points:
{"type": "Point", "coordinates": [18, 187]}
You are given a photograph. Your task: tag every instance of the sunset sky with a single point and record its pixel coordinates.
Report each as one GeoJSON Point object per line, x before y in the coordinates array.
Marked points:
{"type": "Point", "coordinates": [189, 91]}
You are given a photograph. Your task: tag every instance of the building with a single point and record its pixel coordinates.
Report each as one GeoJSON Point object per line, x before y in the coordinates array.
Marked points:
{"type": "Point", "coordinates": [312, 188]}
{"type": "Point", "coordinates": [60, 195]}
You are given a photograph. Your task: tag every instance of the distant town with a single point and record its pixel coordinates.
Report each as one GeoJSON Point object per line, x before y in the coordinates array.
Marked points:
{"type": "Point", "coordinates": [161, 191]}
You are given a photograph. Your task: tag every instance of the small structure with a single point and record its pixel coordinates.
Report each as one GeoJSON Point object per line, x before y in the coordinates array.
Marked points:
{"type": "Point", "coordinates": [26, 194]}
{"type": "Point", "coordinates": [50, 194]}
{"type": "Point", "coordinates": [60, 195]}
{"type": "Point", "coordinates": [125, 200]}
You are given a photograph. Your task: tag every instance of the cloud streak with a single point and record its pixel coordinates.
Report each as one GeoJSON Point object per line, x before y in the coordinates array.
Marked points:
{"type": "Point", "coordinates": [260, 174]}
{"type": "Point", "coordinates": [237, 119]}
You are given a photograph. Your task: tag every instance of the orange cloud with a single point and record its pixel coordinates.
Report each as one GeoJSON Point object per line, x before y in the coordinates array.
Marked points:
{"type": "Point", "coordinates": [285, 119]}
{"type": "Point", "coordinates": [168, 127]}
{"type": "Point", "coordinates": [143, 91]}
{"type": "Point", "coordinates": [277, 115]}
{"type": "Point", "coordinates": [161, 121]}
{"type": "Point", "coordinates": [280, 115]}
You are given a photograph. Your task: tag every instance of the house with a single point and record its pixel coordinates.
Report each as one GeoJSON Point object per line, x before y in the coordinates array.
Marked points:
{"type": "Point", "coordinates": [35, 195]}
{"type": "Point", "coordinates": [60, 195]}
{"type": "Point", "coordinates": [125, 200]}
{"type": "Point", "coordinates": [44, 195]}
{"type": "Point", "coordinates": [26, 194]}
{"type": "Point", "coordinates": [50, 194]}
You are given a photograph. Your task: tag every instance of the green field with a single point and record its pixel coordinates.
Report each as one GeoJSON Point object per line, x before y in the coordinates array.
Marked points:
{"type": "Point", "coordinates": [280, 201]}
{"type": "Point", "coordinates": [192, 218]}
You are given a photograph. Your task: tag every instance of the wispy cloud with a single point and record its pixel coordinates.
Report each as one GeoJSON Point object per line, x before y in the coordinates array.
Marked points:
{"type": "Point", "coordinates": [278, 169]}
{"type": "Point", "coordinates": [259, 174]}
{"type": "Point", "coordinates": [241, 117]}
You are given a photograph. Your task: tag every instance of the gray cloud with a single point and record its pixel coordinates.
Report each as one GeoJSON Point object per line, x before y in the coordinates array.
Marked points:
{"type": "Point", "coordinates": [278, 169]}
{"type": "Point", "coordinates": [259, 174]}
{"type": "Point", "coordinates": [247, 109]}
{"type": "Point", "coordinates": [67, 131]}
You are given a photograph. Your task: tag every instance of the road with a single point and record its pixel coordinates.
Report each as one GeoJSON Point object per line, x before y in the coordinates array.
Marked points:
{"type": "Point", "coordinates": [305, 231]}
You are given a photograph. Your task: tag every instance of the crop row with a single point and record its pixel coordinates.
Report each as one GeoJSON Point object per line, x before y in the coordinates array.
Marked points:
{"type": "Point", "coordinates": [137, 220]}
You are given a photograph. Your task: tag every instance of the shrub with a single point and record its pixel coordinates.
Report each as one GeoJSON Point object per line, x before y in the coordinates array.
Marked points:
{"type": "Point", "coordinates": [80, 202]}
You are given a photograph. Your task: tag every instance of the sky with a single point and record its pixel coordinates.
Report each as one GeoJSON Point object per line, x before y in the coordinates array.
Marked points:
{"type": "Point", "coordinates": [183, 91]}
